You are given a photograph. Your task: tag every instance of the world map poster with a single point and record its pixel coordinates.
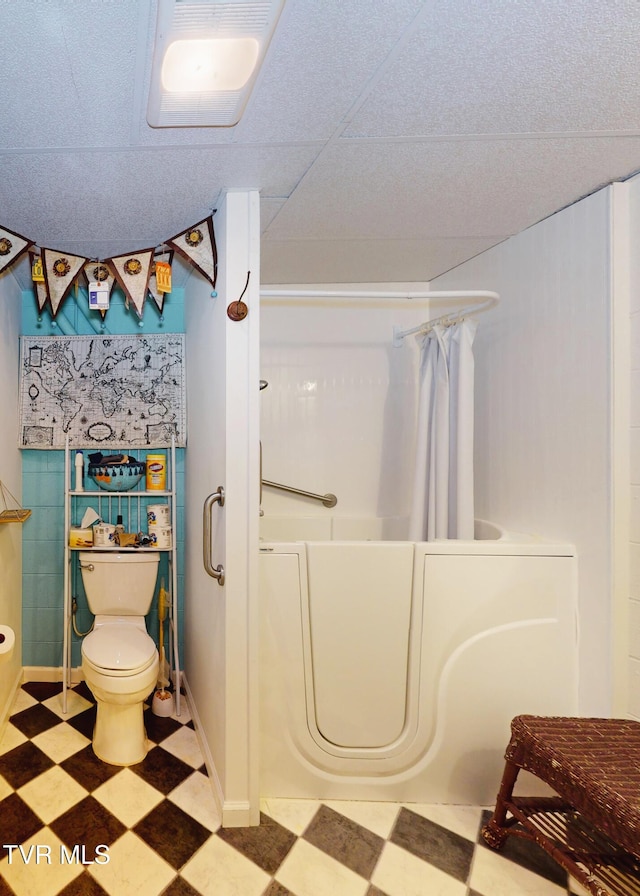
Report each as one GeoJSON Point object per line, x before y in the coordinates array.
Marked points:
{"type": "Point", "coordinates": [102, 391]}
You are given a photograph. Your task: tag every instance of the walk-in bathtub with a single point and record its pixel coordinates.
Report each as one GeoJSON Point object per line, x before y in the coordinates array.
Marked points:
{"type": "Point", "coordinates": [390, 670]}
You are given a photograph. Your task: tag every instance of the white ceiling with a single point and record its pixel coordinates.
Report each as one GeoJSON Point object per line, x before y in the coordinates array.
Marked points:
{"type": "Point", "coordinates": [389, 139]}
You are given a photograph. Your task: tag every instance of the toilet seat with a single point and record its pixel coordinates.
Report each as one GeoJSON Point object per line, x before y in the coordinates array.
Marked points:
{"type": "Point", "coordinates": [119, 649]}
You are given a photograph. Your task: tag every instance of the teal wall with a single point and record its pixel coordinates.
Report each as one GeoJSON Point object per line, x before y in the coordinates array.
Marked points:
{"type": "Point", "coordinates": [43, 486]}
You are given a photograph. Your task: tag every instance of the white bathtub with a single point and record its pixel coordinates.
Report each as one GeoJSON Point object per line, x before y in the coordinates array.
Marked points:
{"type": "Point", "coordinates": [391, 670]}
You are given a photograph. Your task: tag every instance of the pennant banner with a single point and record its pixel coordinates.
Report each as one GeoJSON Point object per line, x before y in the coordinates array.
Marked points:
{"type": "Point", "coordinates": [42, 296]}
{"type": "Point", "coordinates": [100, 272]}
{"type": "Point", "coordinates": [60, 270]}
{"type": "Point", "coordinates": [12, 246]}
{"type": "Point", "coordinates": [54, 272]}
{"type": "Point", "coordinates": [156, 294]}
{"type": "Point", "coordinates": [132, 273]}
{"type": "Point", "coordinates": [198, 246]}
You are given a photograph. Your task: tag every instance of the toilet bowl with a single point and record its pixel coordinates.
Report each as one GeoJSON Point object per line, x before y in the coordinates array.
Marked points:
{"type": "Point", "coordinates": [119, 659]}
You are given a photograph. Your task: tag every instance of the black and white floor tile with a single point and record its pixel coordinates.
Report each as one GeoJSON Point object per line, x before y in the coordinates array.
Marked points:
{"type": "Point", "coordinates": [72, 825]}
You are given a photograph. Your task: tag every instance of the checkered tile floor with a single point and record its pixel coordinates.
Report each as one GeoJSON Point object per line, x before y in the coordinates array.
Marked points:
{"type": "Point", "coordinates": [70, 825]}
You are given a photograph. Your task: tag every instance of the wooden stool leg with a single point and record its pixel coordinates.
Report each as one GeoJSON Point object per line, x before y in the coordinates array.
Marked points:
{"type": "Point", "coordinates": [495, 831]}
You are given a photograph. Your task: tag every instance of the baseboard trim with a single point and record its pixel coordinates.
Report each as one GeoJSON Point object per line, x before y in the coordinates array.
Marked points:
{"type": "Point", "coordinates": [237, 815]}
{"type": "Point", "coordinates": [52, 673]}
{"type": "Point", "coordinates": [6, 709]}
{"type": "Point", "coordinates": [212, 772]}
{"type": "Point", "coordinates": [234, 813]}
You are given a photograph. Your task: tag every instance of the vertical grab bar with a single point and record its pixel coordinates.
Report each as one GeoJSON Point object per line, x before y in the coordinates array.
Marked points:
{"type": "Point", "coordinates": [216, 572]}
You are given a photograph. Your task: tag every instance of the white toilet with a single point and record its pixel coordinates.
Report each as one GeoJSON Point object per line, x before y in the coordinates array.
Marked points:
{"type": "Point", "coordinates": [119, 659]}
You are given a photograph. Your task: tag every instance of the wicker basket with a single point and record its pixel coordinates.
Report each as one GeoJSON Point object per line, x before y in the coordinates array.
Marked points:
{"type": "Point", "coordinates": [15, 514]}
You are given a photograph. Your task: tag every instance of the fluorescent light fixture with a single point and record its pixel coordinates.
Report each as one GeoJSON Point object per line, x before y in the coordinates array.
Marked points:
{"type": "Point", "coordinates": [207, 56]}
{"type": "Point", "coordinates": [198, 66]}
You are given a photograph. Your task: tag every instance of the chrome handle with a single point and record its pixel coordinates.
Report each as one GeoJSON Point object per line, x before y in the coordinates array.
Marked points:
{"type": "Point", "coordinates": [329, 500]}
{"type": "Point", "coordinates": [216, 572]}
{"type": "Point", "coordinates": [88, 566]}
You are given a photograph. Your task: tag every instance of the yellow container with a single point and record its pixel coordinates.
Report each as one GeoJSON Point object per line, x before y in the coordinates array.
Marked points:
{"type": "Point", "coordinates": [80, 538]}
{"type": "Point", "coordinates": [156, 472]}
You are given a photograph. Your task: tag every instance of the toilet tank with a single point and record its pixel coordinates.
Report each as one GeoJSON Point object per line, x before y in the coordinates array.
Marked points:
{"type": "Point", "coordinates": [119, 584]}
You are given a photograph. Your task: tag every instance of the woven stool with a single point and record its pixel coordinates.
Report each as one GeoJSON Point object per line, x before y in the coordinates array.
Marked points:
{"type": "Point", "coordinates": [592, 826]}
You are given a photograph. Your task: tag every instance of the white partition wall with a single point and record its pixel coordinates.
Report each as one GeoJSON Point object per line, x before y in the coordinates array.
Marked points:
{"type": "Point", "coordinates": [222, 450]}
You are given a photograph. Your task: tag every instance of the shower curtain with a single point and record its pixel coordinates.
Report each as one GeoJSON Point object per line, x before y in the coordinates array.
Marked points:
{"type": "Point", "coordinates": [443, 478]}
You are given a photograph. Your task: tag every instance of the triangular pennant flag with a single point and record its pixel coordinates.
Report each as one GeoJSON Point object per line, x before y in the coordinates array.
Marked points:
{"type": "Point", "coordinates": [132, 273]}
{"type": "Point", "coordinates": [157, 295]}
{"type": "Point", "coordinates": [198, 246]}
{"type": "Point", "coordinates": [60, 270]}
{"type": "Point", "coordinates": [12, 246]}
{"type": "Point", "coordinates": [100, 272]}
{"type": "Point", "coordinates": [40, 287]}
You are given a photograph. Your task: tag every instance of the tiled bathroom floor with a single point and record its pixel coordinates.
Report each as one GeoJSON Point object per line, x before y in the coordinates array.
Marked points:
{"type": "Point", "coordinates": [70, 824]}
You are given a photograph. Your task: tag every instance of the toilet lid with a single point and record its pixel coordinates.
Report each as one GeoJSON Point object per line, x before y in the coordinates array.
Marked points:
{"type": "Point", "coordinates": [119, 648]}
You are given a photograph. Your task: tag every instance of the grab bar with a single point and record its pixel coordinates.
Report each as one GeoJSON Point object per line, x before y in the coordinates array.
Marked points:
{"type": "Point", "coordinates": [216, 572]}
{"type": "Point", "coordinates": [328, 500]}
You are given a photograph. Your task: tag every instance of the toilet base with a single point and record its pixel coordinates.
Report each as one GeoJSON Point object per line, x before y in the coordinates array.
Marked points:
{"type": "Point", "coordinates": [119, 736]}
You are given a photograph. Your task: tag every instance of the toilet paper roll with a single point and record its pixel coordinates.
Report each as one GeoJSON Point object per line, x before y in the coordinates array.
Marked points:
{"type": "Point", "coordinates": [7, 643]}
{"type": "Point", "coordinates": [158, 515]}
{"type": "Point", "coordinates": [104, 535]}
{"type": "Point", "coordinates": [160, 537]}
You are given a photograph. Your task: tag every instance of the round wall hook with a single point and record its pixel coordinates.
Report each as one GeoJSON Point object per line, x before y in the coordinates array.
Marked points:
{"type": "Point", "coordinates": [237, 310]}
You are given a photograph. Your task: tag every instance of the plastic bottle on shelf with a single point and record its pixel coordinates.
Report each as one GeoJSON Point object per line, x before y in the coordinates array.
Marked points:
{"type": "Point", "coordinates": [79, 463]}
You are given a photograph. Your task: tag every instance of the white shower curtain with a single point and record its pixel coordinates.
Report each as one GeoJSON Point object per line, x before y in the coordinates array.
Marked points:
{"type": "Point", "coordinates": [443, 479]}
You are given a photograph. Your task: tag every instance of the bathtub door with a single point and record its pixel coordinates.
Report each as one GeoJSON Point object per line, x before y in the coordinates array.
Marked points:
{"type": "Point", "coordinates": [222, 450]}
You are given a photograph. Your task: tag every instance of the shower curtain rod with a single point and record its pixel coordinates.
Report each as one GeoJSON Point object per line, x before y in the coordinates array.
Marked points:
{"type": "Point", "coordinates": [492, 299]}
{"type": "Point", "coordinates": [374, 294]}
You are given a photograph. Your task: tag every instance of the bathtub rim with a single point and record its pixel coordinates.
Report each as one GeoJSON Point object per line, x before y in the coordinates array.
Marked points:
{"type": "Point", "coordinates": [508, 542]}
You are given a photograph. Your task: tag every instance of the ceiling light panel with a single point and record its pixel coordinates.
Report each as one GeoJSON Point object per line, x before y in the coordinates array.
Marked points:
{"type": "Point", "coordinates": [206, 59]}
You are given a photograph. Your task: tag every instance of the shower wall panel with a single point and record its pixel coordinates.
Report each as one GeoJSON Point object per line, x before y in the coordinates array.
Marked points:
{"type": "Point", "coordinates": [338, 414]}
{"type": "Point", "coordinates": [543, 404]}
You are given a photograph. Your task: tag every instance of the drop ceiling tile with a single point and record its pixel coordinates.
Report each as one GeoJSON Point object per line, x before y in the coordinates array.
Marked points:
{"type": "Point", "coordinates": [70, 76]}
{"type": "Point", "coordinates": [134, 199]}
{"type": "Point", "coordinates": [448, 188]}
{"type": "Point", "coordinates": [503, 67]}
{"type": "Point", "coordinates": [321, 58]}
{"type": "Point", "coordinates": [269, 208]}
